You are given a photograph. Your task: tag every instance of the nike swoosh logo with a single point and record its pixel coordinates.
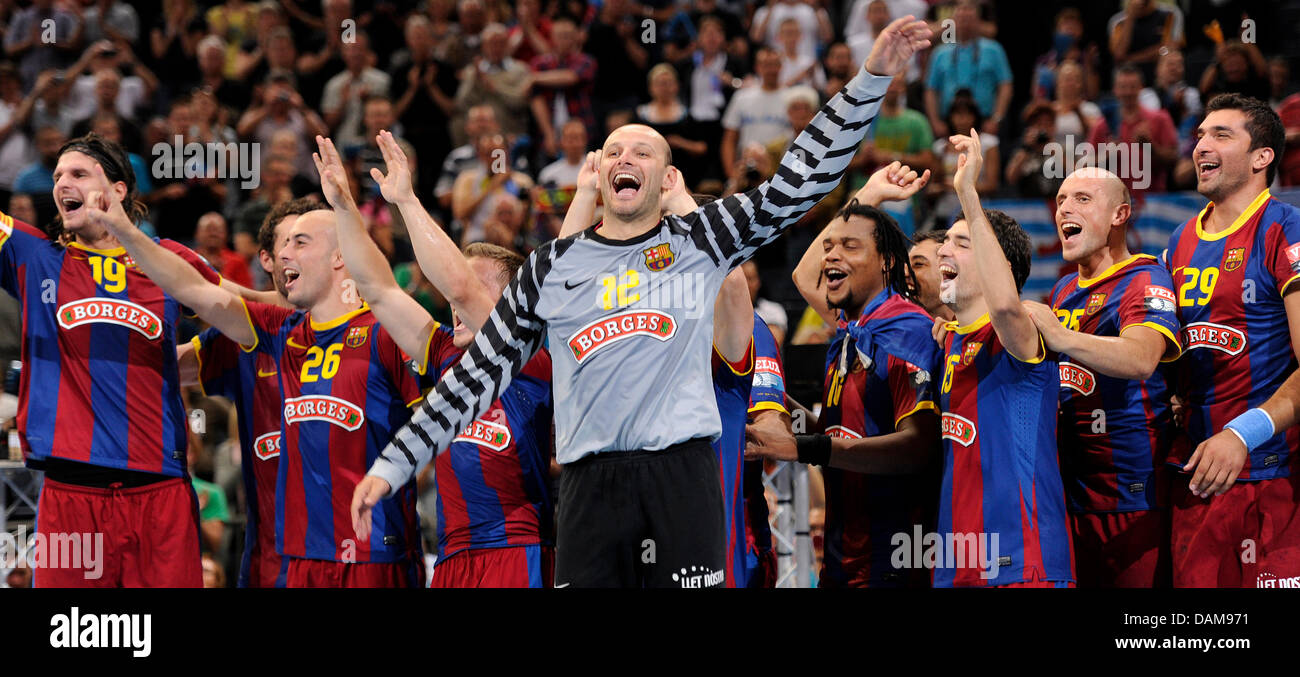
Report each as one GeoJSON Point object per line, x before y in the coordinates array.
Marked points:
{"type": "Point", "coordinates": [265, 374]}
{"type": "Point", "coordinates": [561, 585]}
{"type": "Point", "coordinates": [572, 287]}
{"type": "Point", "coordinates": [294, 345]}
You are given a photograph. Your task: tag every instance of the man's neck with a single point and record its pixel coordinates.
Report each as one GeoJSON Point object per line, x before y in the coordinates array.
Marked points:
{"type": "Point", "coordinates": [974, 310]}
{"type": "Point", "coordinates": [332, 306]}
{"type": "Point", "coordinates": [1227, 211]}
{"type": "Point", "coordinates": [890, 110]}
{"type": "Point", "coordinates": [775, 86]}
{"type": "Point", "coordinates": [103, 241]}
{"type": "Point", "coordinates": [1102, 259]}
{"type": "Point", "coordinates": [852, 314]}
{"type": "Point", "coordinates": [1128, 113]}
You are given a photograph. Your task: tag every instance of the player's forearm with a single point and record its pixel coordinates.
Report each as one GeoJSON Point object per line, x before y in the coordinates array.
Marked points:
{"type": "Point", "coordinates": [581, 213]}
{"type": "Point", "coordinates": [1128, 357]}
{"type": "Point", "coordinates": [815, 162]}
{"type": "Point", "coordinates": [912, 449]}
{"type": "Point", "coordinates": [445, 266]}
{"type": "Point", "coordinates": [181, 281]}
{"type": "Point", "coordinates": [467, 389]}
{"type": "Point", "coordinates": [733, 318]}
{"type": "Point", "coordinates": [807, 278]}
{"type": "Point", "coordinates": [993, 273]}
{"type": "Point", "coordinates": [365, 262]}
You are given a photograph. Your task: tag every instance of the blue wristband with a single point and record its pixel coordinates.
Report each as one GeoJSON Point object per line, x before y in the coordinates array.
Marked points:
{"type": "Point", "coordinates": [1253, 427]}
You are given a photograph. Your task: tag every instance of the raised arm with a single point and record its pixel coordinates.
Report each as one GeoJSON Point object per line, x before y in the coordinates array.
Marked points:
{"type": "Point", "coordinates": [895, 181]}
{"type": "Point", "coordinates": [733, 318]}
{"type": "Point", "coordinates": [501, 348]}
{"type": "Point", "coordinates": [582, 210]}
{"type": "Point", "coordinates": [817, 158]}
{"type": "Point", "coordinates": [1010, 319]}
{"type": "Point", "coordinates": [442, 263]}
{"type": "Point", "coordinates": [216, 306]}
{"type": "Point", "coordinates": [401, 315]}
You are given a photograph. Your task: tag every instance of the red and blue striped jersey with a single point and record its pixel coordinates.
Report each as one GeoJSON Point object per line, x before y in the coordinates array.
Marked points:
{"type": "Point", "coordinates": [100, 380]}
{"type": "Point", "coordinates": [877, 373]}
{"type": "Point", "coordinates": [732, 383]}
{"type": "Point", "coordinates": [1236, 340]}
{"type": "Point", "coordinates": [494, 480]}
{"type": "Point", "coordinates": [1113, 432]}
{"type": "Point", "coordinates": [767, 392]}
{"type": "Point", "coordinates": [252, 383]}
{"type": "Point", "coordinates": [1002, 486]}
{"type": "Point", "coordinates": [346, 389]}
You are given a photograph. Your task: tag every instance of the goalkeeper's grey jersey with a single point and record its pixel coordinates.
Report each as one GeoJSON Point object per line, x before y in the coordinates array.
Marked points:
{"type": "Point", "coordinates": [630, 323]}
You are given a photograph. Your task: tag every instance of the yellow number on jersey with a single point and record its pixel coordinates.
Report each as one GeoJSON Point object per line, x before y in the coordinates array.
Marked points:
{"type": "Point", "coordinates": [950, 366]}
{"type": "Point", "coordinates": [1070, 318]}
{"type": "Point", "coordinates": [327, 359]}
{"type": "Point", "coordinates": [1195, 280]}
{"type": "Point", "coordinates": [614, 291]}
{"type": "Point", "coordinates": [108, 272]}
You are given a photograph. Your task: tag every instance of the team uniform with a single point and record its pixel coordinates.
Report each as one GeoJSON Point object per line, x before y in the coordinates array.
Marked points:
{"type": "Point", "coordinates": [346, 387]}
{"type": "Point", "coordinates": [1113, 433]}
{"type": "Point", "coordinates": [1237, 351]}
{"type": "Point", "coordinates": [877, 374]}
{"type": "Point", "coordinates": [495, 508]}
{"type": "Point", "coordinates": [631, 324]}
{"type": "Point", "coordinates": [252, 382]}
{"type": "Point", "coordinates": [735, 387]}
{"type": "Point", "coordinates": [99, 407]}
{"type": "Point", "coordinates": [767, 392]}
{"type": "Point", "coordinates": [1001, 505]}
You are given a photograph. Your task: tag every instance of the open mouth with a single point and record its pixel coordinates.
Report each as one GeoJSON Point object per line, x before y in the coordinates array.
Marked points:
{"type": "Point", "coordinates": [947, 273]}
{"type": "Point", "coordinates": [290, 277]}
{"type": "Point", "coordinates": [70, 205]}
{"type": "Point", "coordinates": [1070, 229]}
{"type": "Point", "coordinates": [625, 185]}
{"type": "Point", "coordinates": [1205, 170]}
{"type": "Point", "coordinates": [835, 278]}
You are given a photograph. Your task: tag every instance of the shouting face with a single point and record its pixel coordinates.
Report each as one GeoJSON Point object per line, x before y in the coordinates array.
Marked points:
{"type": "Point", "coordinates": [309, 257]}
{"type": "Point", "coordinates": [851, 263]}
{"type": "Point", "coordinates": [632, 171]}
{"type": "Point", "coordinates": [1089, 205]}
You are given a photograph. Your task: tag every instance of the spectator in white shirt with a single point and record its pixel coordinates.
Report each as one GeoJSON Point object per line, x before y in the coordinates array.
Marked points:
{"type": "Point", "coordinates": [756, 114]}
{"type": "Point", "coordinates": [814, 21]}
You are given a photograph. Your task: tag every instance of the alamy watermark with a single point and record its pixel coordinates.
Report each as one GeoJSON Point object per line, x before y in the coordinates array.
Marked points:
{"type": "Point", "coordinates": [193, 160]}
{"type": "Point", "coordinates": [56, 550]}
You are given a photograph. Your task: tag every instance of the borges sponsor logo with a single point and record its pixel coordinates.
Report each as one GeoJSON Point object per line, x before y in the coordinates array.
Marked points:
{"type": "Point", "coordinates": [486, 433]}
{"type": "Point", "coordinates": [112, 311]}
{"type": "Point", "coordinates": [958, 429]}
{"type": "Point", "coordinates": [1076, 377]}
{"type": "Point", "coordinates": [267, 446]}
{"type": "Point", "coordinates": [619, 326]}
{"type": "Point", "coordinates": [1214, 337]}
{"type": "Point", "coordinates": [323, 408]}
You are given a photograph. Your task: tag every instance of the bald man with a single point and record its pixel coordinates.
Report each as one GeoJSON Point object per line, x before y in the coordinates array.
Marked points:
{"type": "Point", "coordinates": [627, 308]}
{"type": "Point", "coordinates": [1113, 322]}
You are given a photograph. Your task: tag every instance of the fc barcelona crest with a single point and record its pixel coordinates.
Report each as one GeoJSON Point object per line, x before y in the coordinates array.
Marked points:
{"type": "Point", "coordinates": [1234, 258]}
{"type": "Point", "coordinates": [1095, 302]}
{"type": "Point", "coordinates": [356, 337]}
{"type": "Point", "coordinates": [659, 257]}
{"type": "Point", "coordinates": [972, 349]}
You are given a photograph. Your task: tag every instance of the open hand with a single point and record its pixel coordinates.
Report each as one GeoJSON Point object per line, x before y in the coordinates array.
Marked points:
{"type": "Point", "coordinates": [333, 176]}
{"type": "Point", "coordinates": [896, 45]}
{"type": "Point", "coordinates": [396, 184]}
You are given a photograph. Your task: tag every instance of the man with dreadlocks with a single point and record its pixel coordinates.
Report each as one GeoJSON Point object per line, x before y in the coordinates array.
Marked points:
{"type": "Point", "coordinates": [880, 427]}
{"type": "Point", "coordinates": [105, 419]}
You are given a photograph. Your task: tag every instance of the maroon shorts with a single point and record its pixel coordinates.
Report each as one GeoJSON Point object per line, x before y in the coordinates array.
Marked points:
{"type": "Point", "coordinates": [1248, 537]}
{"type": "Point", "coordinates": [522, 566]}
{"type": "Point", "coordinates": [319, 573]}
{"type": "Point", "coordinates": [1121, 549]}
{"type": "Point", "coordinates": [266, 568]}
{"type": "Point", "coordinates": [143, 537]}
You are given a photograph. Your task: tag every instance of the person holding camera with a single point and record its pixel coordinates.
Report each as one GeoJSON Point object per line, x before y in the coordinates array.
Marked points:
{"type": "Point", "coordinates": [1025, 168]}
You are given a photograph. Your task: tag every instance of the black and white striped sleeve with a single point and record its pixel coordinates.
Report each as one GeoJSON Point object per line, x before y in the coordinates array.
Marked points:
{"type": "Point", "coordinates": [505, 343]}
{"type": "Point", "coordinates": [732, 229]}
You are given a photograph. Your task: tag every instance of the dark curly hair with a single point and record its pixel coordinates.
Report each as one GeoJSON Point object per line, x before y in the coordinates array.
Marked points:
{"type": "Point", "coordinates": [891, 243]}
{"type": "Point", "coordinates": [298, 207]}
{"type": "Point", "coordinates": [1014, 242]}
{"type": "Point", "coordinates": [1262, 123]}
{"type": "Point", "coordinates": [116, 166]}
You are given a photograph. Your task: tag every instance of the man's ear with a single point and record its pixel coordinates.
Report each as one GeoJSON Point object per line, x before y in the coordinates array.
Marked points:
{"type": "Point", "coordinates": [265, 258]}
{"type": "Point", "coordinates": [1262, 159]}
{"type": "Point", "coordinates": [120, 192]}
{"type": "Point", "coordinates": [1122, 214]}
{"type": "Point", "coordinates": [671, 177]}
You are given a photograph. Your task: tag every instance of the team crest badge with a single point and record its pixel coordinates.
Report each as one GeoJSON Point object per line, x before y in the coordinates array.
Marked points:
{"type": "Point", "coordinates": [356, 337]}
{"type": "Point", "coordinates": [972, 349]}
{"type": "Point", "coordinates": [659, 257]}
{"type": "Point", "coordinates": [1095, 302]}
{"type": "Point", "coordinates": [1234, 258]}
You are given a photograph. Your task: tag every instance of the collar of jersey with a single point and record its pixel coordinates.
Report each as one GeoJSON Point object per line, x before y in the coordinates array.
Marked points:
{"type": "Point", "coordinates": [973, 326]}
{"type": "Point", "coordinates": [1246, 215]}
{"type": "Point", "coordinates": [593, 235]}
{"type": "Point", "coordinates": [111, 253]}
{"type": "Point", "coordinates": [341, 319]}
{"type": "Point", "coordinates": [871, 306]}
{"type": "Point", "coordinates": [1114, 268]}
